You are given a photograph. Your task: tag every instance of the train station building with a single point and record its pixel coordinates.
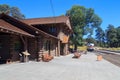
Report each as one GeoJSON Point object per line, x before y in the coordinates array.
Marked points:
{"type": "Point", "coordinates": [33, 37]}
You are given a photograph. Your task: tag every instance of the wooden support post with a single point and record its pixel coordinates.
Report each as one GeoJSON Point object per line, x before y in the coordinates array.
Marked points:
{"type": "Point", "coordinates": [58, 48]}
{"type": "Point", "coordinates": [39, 48]}
{"type": "Point", "coordinates": [26, 54]}
{"type": "Point", "coordinates": [66, 49]}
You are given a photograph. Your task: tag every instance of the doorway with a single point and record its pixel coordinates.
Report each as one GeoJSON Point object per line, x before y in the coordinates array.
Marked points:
{"type": "Point", "coordinates": [4, 48]}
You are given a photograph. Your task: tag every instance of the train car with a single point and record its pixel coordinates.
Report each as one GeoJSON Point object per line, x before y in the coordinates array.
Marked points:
{"type": "Point", "coordinates": [90, 47]}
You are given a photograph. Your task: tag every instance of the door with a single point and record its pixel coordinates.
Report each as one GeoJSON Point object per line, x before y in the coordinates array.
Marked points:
{"type": "Point", "coordinates": [4, 48]}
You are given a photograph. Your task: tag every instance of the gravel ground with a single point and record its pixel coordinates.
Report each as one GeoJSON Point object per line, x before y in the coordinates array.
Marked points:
{"type": "Point", "coordinates": [113, 58]}
{"type": "Point", "coordinates": [62, 68]}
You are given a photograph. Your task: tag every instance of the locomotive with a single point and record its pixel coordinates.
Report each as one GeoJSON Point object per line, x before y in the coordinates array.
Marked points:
{"type": "Point", "coordinates": [90, 47]}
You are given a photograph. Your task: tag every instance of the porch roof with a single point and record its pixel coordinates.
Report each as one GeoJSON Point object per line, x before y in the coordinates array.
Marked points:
{"type": "Point", "coordinates": [22, 27]}
{"type": "Point", "coordinates": [7, 27]}
{"type": "Point", "coordinates": [49, 20]}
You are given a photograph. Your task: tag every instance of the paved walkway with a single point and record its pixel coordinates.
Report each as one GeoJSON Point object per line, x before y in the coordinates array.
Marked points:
{"type": "Point", "coordinates": [62, 68]}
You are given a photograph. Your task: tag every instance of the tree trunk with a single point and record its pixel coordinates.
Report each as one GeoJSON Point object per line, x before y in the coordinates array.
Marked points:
{"type": "Point", "coordinates": [75, 48]}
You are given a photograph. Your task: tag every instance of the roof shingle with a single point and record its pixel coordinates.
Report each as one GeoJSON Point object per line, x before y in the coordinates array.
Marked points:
{"type": "Point", "coordinates": [8, 26]}
{"type": "Point", "coordinates": [48, 20]}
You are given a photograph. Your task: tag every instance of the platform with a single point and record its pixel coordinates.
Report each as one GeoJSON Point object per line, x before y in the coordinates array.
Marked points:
{"type": "Point", "coordinates": [62, 68]}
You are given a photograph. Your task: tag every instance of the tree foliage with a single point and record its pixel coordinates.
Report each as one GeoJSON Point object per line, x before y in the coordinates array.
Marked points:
{"type": "Point", "coordinates": [111, 35]}
{"type": "Point", "coordinates": [83, 21]}
{"type": "Point", "coordinates": [108, 38]}
{"type": "Point", "coordinates": [91, 40]}
{"type": "Point", "coordinates": [93, 21]}
{"type": "Point", "coordinates": [12, 11]}
{"type": "Point", "coordinates": [118, 36]}
{"type": "Point", "coordinates": [100, 37]}
{"type": "Point", "coordinates": [4, 9]}
{"type": "Point", "coordinates": [15, 12]}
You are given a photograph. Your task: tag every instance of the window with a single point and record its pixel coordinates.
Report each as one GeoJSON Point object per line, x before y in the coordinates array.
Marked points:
{"type": "Point", "coordinates": [17, 46]}
{"type": "Point", "coordinates": [47, 45]}
{"type": "Point", "coordinates": [52, 29]}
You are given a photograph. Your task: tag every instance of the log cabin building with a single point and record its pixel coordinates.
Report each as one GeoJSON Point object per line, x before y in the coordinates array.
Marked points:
{"type": "Point", "coordinates": [33, 37]}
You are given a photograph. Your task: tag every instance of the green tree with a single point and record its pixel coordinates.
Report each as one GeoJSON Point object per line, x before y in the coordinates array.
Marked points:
{"type": "Point", "coordinates": [100, 36]}
{"type": "Point", "coordinates": [111, 35]}
{"type": "Point", "coordinates": [92, 21]}
{"type": "Point", "coordinates": [83, 21]}
{"type": "Point", "coordinates": [78, 22]}
{"type": "Point", "coordinates": [15, 12]}
{"type": "Point", "coordinates": [91, 40]}
{"type": "Point", "coordinates": [4, 8]}
{"type": "Point", "coordinates": [12, 11]}
{"type": "Point", "coordinates": [118, 36]}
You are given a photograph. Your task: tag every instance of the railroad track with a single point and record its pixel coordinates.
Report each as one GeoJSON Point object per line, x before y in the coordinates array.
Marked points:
{"type": "Point", "coordinates": [111, 56]}
{"type": "Point", "coordinates": [108, 52]}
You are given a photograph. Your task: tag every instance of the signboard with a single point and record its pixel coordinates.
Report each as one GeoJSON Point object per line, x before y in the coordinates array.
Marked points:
{"type": "Point", "coordinates": [65, 39]}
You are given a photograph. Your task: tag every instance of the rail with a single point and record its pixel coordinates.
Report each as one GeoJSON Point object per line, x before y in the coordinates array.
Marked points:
{"type": "Point", "coordinates": [108, 52]}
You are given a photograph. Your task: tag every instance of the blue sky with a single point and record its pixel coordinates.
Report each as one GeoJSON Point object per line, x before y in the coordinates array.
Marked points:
{"type": "Point", "coordinates": [108, 10]}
